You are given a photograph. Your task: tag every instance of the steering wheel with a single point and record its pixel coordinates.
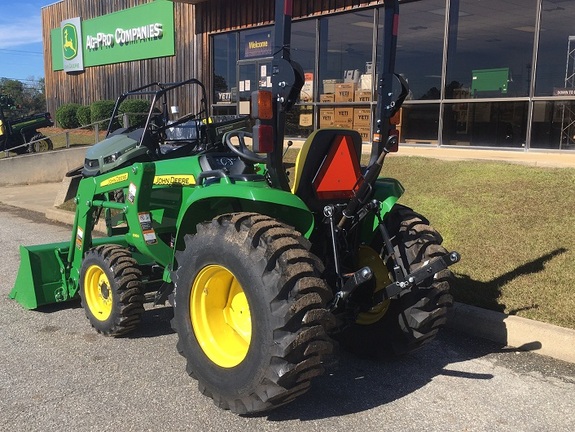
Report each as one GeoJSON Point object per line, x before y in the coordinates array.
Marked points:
{"type": "Point", "coordinates": [242, 150]}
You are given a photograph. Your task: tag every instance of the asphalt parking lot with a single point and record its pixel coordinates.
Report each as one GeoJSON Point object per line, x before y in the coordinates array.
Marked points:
{"type": "Point", "coordinates": [59, 374]}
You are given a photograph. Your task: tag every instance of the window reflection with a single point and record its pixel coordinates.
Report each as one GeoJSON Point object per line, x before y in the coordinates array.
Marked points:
{"type": "Point", "coordinates": [557, 19]}
{"type": "Point", "coordinates": [553, 127]}
{"type": "Point", "coordinates": [420, 43]}
{"type": "Point", "coordinates": [224, 77]}
{"type": "Point", "coordinates": [490, 47]}
{"type": "Point", "coordinates": [303, 44]}
{"type": "Point", "coordinates": [492, 124]}
{"type": "Point", "coordinates": [419, 123]}
{"type": "Point", "coordinates": [300, 120]}
{"type": "Point", "coordinates": [346, 43]}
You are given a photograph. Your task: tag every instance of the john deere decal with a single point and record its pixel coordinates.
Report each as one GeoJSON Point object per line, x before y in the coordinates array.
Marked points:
{"type": "Point", "coordinates": [72, 45]}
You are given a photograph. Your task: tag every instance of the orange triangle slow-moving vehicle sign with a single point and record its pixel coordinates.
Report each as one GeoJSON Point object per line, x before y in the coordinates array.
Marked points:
{"type": "Point", "coordinates": [338, 175]}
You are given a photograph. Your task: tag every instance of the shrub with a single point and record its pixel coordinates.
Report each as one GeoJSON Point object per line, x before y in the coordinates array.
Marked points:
{"type": "Point", "coordinates": [83, 115]}
{"type": "Point", "coordinates": [137, 110]}
{"type": "Point", "coordinates": [101, 111]}
{"type": "Point", "coordinates": [66, 116]}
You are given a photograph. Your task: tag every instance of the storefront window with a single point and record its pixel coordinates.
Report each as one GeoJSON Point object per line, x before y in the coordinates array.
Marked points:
{"type": "Point", "coordinates": [490, 48]}
{"type": "Point", "coordinates": [346, 43]}
{"type": "Point", "coordinates": [300, 120]}
{"type": "Point", "coordinates": [490, 124]}
{"type": "Point", "coordinates": [553, 127]}
{"type": "Point", "coordinates": [420, 47]}
{"type": "Point", "coordinates": [224, 78]}
{"type": "Point", "coordinates": [556, 39]}
{"type": "Point", "coordinates": [419, 123]}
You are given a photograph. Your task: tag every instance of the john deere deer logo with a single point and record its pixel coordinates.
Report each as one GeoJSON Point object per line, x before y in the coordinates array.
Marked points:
{"type": "Point", "coordinates": [69, 41]}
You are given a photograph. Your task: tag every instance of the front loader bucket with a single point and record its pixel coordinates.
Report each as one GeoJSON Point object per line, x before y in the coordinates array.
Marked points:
{"type": "Point", "coordinates": [40, 279]}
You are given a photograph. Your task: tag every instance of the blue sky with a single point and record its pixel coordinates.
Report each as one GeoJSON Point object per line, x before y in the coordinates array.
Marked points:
{"type": "Point", "coordinates": [21, 50]}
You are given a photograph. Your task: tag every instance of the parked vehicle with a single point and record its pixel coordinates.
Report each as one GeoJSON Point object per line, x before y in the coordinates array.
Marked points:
{"type": "Point", "coordinates": [20, 133]}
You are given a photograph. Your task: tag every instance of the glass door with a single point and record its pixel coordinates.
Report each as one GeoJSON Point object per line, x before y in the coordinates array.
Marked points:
{"type": "Point", "coordinates": [253, 75]}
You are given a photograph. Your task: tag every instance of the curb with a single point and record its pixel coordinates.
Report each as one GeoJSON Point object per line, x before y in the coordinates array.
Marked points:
{"type": "Point", "coordinates": [509, 330]}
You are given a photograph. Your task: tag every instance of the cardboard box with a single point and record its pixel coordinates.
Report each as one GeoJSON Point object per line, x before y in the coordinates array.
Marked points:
{"type": "Point", "coordinates": [365, 82]}
{"type": "Point", "coordinates": [329, 85]}
{"type": "Point", "coordinates": [306, 120]}
{"type": "Point", "coordinates": [326, 116]}
{"type": "Point", "coordinates": [344, 92]}
{"type": "Point", "coordinates": [361, 117]}
{"type": "Point", "coordinates": [364, 132]}
{"type": "Point", "coordinates": [343, 115]}
{"type": "Point", "coordinates": [327, 97]}
{"type": "Point", "coordinates": [363, 96]}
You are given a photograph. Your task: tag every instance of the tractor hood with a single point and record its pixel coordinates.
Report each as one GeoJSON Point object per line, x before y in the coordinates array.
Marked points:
{"type": "Point", "coordinates": [113, 152]}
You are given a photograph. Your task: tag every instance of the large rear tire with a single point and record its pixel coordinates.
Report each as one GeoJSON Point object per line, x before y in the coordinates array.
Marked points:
{"type": "Point", "coordinates": [111, 290]}
{"type": "Point", "coordinates": [409, 322]}
{"type": "Point", "coordinates": [250, 312]}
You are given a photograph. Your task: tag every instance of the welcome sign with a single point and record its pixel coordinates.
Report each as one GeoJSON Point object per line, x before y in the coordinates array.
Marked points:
{"type": "Point", "coordinates": [142, 32]}
{"type": "Point", "coordinates": [258, 45]}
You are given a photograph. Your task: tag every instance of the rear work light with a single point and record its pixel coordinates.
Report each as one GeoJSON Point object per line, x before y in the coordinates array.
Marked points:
{"type": "Point", "coordinates": [262, 112]}
{"type": "Point", "coordinates": [262, 107]}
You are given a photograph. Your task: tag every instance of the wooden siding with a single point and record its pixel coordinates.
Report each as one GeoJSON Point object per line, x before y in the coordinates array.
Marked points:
{"type": "Point", "coordinates": [109, 81]}
{"type": "Point", "coordinates": [223, 15]}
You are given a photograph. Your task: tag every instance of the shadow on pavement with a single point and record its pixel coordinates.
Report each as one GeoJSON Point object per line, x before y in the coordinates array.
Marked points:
{"type": "Point", "coordinates": [360, 384]}
{"type": "Point", "coordinates": [155, 322]}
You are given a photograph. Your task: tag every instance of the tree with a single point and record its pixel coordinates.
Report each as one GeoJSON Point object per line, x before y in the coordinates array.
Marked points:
{"type": "Point", "coordinates": [27, 99]}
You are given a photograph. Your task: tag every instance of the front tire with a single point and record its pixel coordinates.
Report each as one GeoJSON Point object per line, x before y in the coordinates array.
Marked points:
{"type": "Point", "coordinates": [111, 290]}
{"type": "Point", "coordinates": [407, 323]}
{"type": "Point", "coordinates": [250, 312]}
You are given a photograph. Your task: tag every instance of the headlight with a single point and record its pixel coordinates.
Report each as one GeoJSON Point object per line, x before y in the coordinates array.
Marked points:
{"type": "Point", "coordinates": [112, 157]}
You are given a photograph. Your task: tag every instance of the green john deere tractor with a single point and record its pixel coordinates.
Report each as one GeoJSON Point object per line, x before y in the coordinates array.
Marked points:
{"type": "Point", "coordinates": [264, 277]}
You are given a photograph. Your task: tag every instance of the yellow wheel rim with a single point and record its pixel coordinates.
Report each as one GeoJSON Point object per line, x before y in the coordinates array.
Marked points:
{"type": "Point", "coordinates": [98, 293]}
{"type": "Point", "coordinates": [368, 257]}
{"type": "Point", "coordinates": [220, 316]}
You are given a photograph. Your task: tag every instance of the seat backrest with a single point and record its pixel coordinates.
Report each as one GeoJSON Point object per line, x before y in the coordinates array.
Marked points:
{"type": "Point", "coordinates": [328, 168]}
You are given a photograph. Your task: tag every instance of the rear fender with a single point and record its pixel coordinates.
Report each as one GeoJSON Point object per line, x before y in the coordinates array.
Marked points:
{"type": "Point", "coordinates": [205, 203]}
{"type": "Point", "coordinates": [387, 191]}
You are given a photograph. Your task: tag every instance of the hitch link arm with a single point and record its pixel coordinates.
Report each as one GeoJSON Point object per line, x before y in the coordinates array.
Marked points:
{"type": "Point", "coordinates": [361, 276]}
{"type": "Point", "coordinates": [430, 269]}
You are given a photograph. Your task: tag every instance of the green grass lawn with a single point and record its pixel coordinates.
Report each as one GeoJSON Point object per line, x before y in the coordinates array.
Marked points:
{"type": "Point", "coordinates": [514, 226]}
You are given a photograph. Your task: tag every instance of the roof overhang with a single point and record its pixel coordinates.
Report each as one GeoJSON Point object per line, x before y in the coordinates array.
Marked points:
{"type": "Point", "coordinates": [190, 1]}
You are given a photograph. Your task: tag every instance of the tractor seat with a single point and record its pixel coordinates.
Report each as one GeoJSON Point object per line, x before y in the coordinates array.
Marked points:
{"type": "Point", "coordinates": [232, 165]}
{"type": "Point", "coordinates": [328, 168]}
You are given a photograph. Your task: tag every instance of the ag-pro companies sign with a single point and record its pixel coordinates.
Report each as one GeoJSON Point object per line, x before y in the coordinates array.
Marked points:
{"type": "Point", "coordinates": [142, 32]}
